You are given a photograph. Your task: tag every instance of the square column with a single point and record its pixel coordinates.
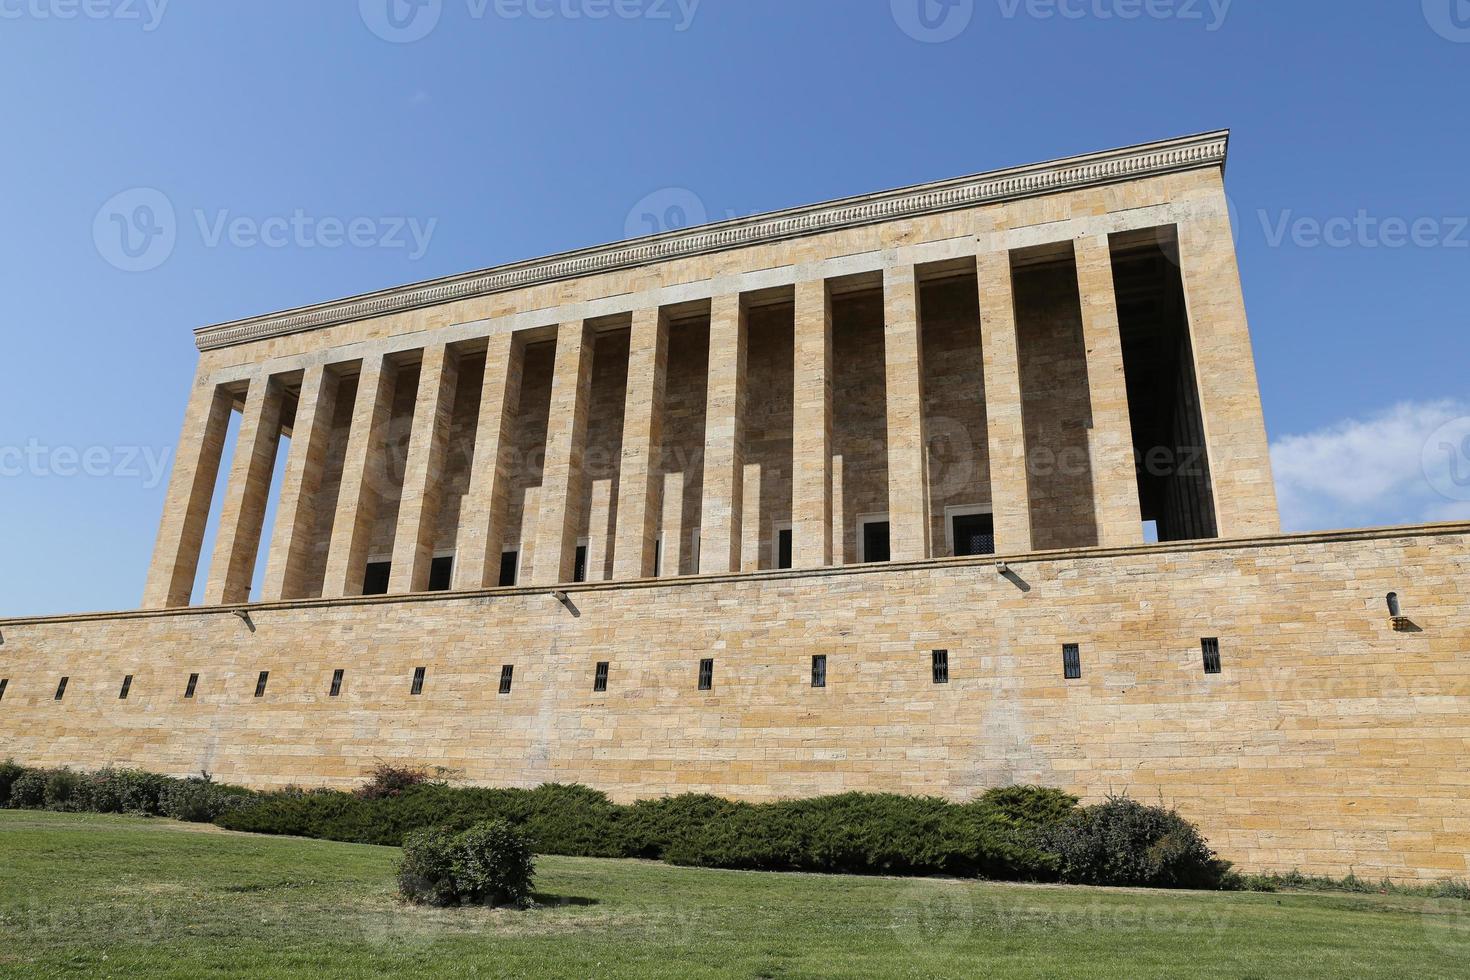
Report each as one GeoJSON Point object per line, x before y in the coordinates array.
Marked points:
{"type": "Point", "coordinates": [296, 513]}
{"type": "Point", "coordinates": [555, 552]}
{"type": "Point", "coordinates": [1114, 475]}
{"type": "Point", "coordinates": [671, 525]}
{"type": "Point", "coordinates": [1230, 397]}
{"type": "Point", "coordinates": [190, 491]}
{"type": "Point", "coordinates": [423, 473]}
{"type": "Point", "coordinates": [483, 509]}
{"type": "Point", "coordinates": [598, 520]}
{"type": "Point", "coordinates": [811, 470]}
{"type": "Point", "coordinates": [908, 443]}
{"type": "Point", "coordinates": [242, 515]}
{"type": "Point", "coordinates": [362, 472]}
{"type": "Point", "coordinates": [1010, 481]}
{"type": "Point", "coordinates": [638, 480]}
{"type": "Point", "coordinates": [724, 438]}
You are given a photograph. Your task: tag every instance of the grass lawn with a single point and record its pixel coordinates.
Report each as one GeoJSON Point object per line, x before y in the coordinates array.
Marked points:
{"type": "Point", "coordinates": [120, 896]}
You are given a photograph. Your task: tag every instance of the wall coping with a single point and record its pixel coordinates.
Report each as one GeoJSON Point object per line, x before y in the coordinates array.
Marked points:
{"type": "Point", "coordinates": [1051, 177]}
{"type": "Point", "coordinates": [689, 581]}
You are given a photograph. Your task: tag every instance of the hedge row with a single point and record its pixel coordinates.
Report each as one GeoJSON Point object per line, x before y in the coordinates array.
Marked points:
{"type": "Point", "coordinates": [198, 800]}
{"type": "Point", "coordinates": [1020, 833]}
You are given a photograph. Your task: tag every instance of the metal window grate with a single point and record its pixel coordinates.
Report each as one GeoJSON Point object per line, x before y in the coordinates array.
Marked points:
{"type": "Point", "coordinates": [193, 683]}
{"type": "Point", "coordinates": [127, 685]}
{"type": "Point", "coordinates": [599, 680]}
{"type": "Point", "coordinates": [4, 683]}
{"type": "Point", "coordinates": [337, 682]}
{"type": "Point", "coordinates": [507, 673]}
{"type": "Point", "coordinates": [418, 681]}
{"type": "Point", "coordinates": [707, 674]}
{"type": "Point", "coordinates": [265, 675]}
{"type": "Point", "coordinates": [819, 670]}
{"type": "Point", "coordinates": [1211, 649]}
{"type": "Point", "coordinates": [61, 688]}
{"type": "Point", "coordinates": [1072, 662]}
{"type": "Point", "coordinates": [940, 665]}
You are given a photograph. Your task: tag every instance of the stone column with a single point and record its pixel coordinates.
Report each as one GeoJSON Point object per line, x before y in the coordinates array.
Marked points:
{"type": "Point", "coordinates": [1010, 482]}
{"type": "Point", "coordinates": [1114, 476]}
{"type": "Point", "coordinates": [296, 514]}
{"type": "Point", "coordinates": [598, 519]}
{"type": "Point", "coordinates": [811, 492]}
{"type": "Point", "coordinates": [671, 526]}
{"type": "Point", "coordinates": [908, 445]}
{"type": "Point", "coordinates": [639, 481]}
{"type": "Point", "coordinates": [483, 510]}
{"type": "Point", "coordinates": [562, 486]}
{"type": "Point", "coordinates": [242, 514]}
{"type": "Point", "coordinates": [724, 438]}
{"type": "Point", "coordinates": [1230, 397]}
{"type": "Point", "coordinates": [750, 519]}
{"type": "Point", "coordinates": [190, 491]}
{"type": "Point", "coordinates": [423, 472]}
{"type": "Point", "coordinates": [357, 501]}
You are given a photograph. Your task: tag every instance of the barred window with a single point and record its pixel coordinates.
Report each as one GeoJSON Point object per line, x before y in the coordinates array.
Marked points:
{"type": "Point", "coordinates": [1072, 662]}
{"type": "Point", "coordinates": [193, 683]}
{"type": "Point", "coordinates": [707, 674]}
{"type": "Point", "coordinates": [599, 679]}
{"type": "Point", "coordinates": [506, 674]}
{"type": "Point", "coordinates": [418, 681]}
{"type": "Point", "coordinates": [265, 675]}
{"type": "Point", "coordinates": [336, 683]}
{"type": "Point", "coordinates": [1211, 649]}
{"type": "Point", "coordinates": [127, 685]}
{"type": "Point", "coordinates": [940, 665]}
{"type": "Point", "coordinates": [61, 688]}
{"type": "Point", "coordinates": [819, 670]}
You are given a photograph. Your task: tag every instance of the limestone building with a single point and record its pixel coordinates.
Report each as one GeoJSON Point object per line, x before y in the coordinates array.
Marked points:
{"type": "Point", "coordinates": [925, 491]}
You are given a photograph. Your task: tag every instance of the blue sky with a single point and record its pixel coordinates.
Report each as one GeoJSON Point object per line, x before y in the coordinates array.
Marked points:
{"type": "Point", "coordinates": [514, 128]}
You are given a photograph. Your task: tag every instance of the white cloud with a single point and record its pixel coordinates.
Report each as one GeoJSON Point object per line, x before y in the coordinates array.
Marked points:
{"type": "Point", "coordinates": [1407, 464]}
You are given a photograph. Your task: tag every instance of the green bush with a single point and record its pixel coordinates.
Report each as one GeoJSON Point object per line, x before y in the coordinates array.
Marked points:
{"type": "Point", "coordinates": [63, 790]}
{"type": "Point", "coordinates": [1124, 842]}
{"type": "Point", "coordinates": [9, 773]}
{"type": "Point", "coordinates": [200, 799]}
{"type": "Point", "coordinates": [488, 864]}
{"type": "Point", "coordinates": [389, 781]}
{"type": "Point", "coordinates": [28, 791]}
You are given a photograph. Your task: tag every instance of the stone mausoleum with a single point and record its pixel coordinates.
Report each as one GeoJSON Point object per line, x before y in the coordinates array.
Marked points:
{"type": "Point", "coordinates": [927, 491]}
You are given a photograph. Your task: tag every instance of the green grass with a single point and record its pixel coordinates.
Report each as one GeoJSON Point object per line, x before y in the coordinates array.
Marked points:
{"type": "Point", "coordinates": [119, 896]}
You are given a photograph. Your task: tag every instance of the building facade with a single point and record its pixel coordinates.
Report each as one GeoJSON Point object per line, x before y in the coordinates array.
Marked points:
{"type": "Point", "coordinates": [926, 491]}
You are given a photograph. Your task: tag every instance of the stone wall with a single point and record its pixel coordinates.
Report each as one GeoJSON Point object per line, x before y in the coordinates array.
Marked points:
{"type": "Point", "coordinates": [1330, 742]}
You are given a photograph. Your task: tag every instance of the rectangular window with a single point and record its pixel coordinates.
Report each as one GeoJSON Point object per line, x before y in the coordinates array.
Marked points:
{"type": "Point", "coordinates": [599, 680]}
{"type": "Point", "coordinates": [61, 688]}
{"type": "Point", "coordinates": [579, 568]}
{"type": "Point", "coordinates": [509, 562]}
{"type": "Point", "coordinates": [4, 683]}
{"type": "Point", "coordinates": [707, 674]}
{"type": "Point", "coordinates": [874, 540]}
{"type": "Point", "coordinates": [127, 686]}
{"type": "Point", "coordinates": [507, 673]}
{"type": "Point", "coordinates": [418, 681]}
{"type": "Point", "coordinates": [1211, 648]}
{"type": "Point", "coordinates": [375, 579]}
{"type": "Point", "coordinates": [973, 534]}
{"type": "Point", "coordinates": [441, 574]}
{"type": "Point", "coordinates": [193, 683]}
{"type": "Point", "coordinates": [819, 670]}
{"type": "Point", "coordinates": [265, 675]}
{"type": "Point", "coordinates": [1072, 662]}
{"type": "Point", "coordinates": [940, 666]}
{"type": "Point", "coordinates": [658, 556]}
{"type": "Point", "coordinates": [783, 548]}
{"type": "Point", "coordinates": [336, 683]}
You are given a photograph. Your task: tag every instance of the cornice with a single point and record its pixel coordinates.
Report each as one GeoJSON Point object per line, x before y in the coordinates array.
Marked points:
{"type": "Point", "coordinates": [1056, 176]}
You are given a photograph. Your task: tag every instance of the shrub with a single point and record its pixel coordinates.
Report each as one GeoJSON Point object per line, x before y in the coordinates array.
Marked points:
{"type": "Point", "coordinates": [488, 864]}
{"type": "Point", "coordinates": [28, 792]}
{"type": "Point", "coordinates": [9, 773]}
{"type": "Point", "coordinates": [1123, 842]}
{"type": "Point", "coordinates": [200, 799]}
{"type": "Point", "coordinates": [63, 790]}
{"type": "Point", "coordinates": [389, 781]}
